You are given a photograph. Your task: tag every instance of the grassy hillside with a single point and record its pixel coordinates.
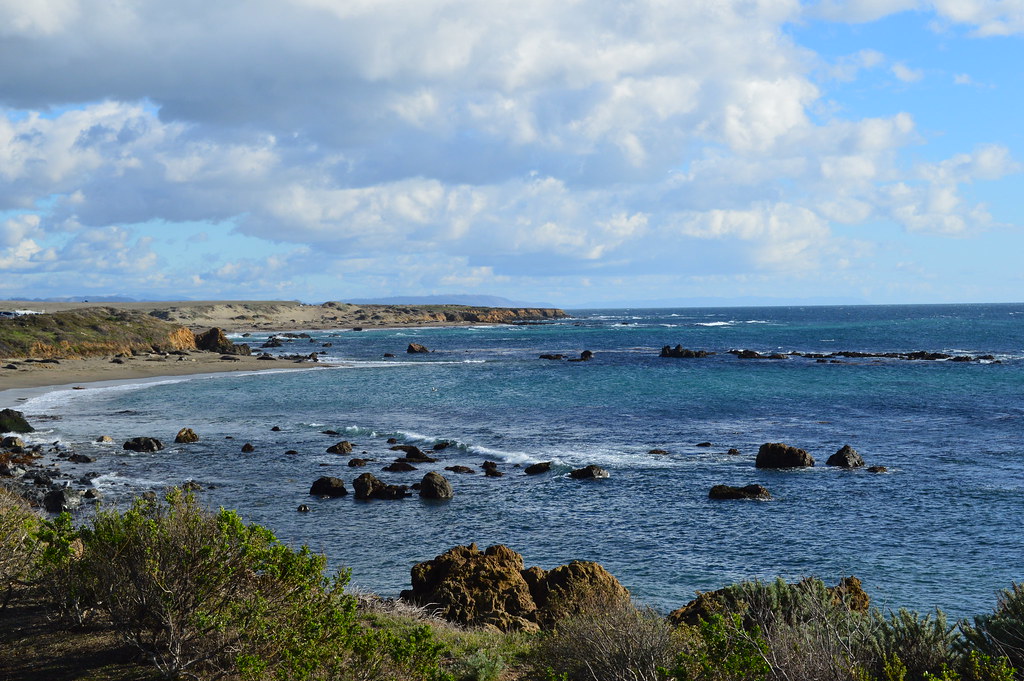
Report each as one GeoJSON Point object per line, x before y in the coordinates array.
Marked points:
{"type": "Point", "coordinates": [90, 332]}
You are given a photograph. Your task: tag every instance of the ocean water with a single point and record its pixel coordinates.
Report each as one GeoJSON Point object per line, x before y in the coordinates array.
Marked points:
{"type": "Point", "coordinates": [942, 528]}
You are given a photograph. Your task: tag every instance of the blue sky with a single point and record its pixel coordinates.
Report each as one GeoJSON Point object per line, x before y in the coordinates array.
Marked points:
{"type": "Point", "coordinates": [573, 152]}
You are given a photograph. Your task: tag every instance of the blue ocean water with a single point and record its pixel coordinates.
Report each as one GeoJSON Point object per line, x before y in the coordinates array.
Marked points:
{"type": "Point", "coordinates": [941, 528]}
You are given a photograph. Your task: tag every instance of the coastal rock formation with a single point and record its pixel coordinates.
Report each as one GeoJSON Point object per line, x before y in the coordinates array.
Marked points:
{"type": "Point", "coordinates": [435, 486]}
{"type": "Point", "coordinates": [399, 467]}
{"type": "Point", "coordinates": [327, 486]}
{"type": "Point", "coordinates": [12, 442]}
{"type": "Point", "coordinates": [877, 469]}
{"type": "Point", "coordinates": [683, 353]}
{"type": "Point", "coordinates": [746, 492]}
{"type": "Point", "coordinates": [248, 448]}
{"type": "Point", "coordinates": [12, 421]}
{"type": "Point", "coordinates": [590, 472]}
{"type": "Point", "coordinates": [779, 455]}
{"type": "Point", "coordinates": [552, 356]}
{"type": "Point", "coordinates": [459, 469]}
{"type": "Point", "coordinates": [368, 486]}
{"type": "Point", "coordinates": [846, 457]}
{"type": "Point", "coordinates": [215, 340]}
{"type": "Point", "coordinates": [490, 588]}
{"type": "Point", "coordinates": [186, 436]}
{"type": "Point", "coordinates": [416, 348]}
{"type": "Point", "coordinates": [343, 447]}
{"type": "Point", "coordinates": [537, 468]}
{"type": "Point", "coordinates": [585, 356]}
{"type": "Point", "coordinates": [143, 444]}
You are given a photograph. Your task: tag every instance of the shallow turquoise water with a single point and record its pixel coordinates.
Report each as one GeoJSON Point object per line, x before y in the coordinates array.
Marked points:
{"type": "Point", "coordinates": [942, 528]}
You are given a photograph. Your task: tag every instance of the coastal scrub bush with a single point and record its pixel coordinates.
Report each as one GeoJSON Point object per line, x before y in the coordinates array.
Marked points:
{"type": "Point", "coordinates": [921, 644]}
{"type": "Point", "coordinates": [607, 639]}
{"type": "Point", "coordinates": [19, 545]}
{"type": "Point", "coordinates": [723, 649]}
{"type": "Point", "coordinates": [1000, 633]}
{"type": "Point", "coordinates": [202, 594]}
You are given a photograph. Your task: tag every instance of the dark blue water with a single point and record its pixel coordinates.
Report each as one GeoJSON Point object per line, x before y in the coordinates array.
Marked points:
{"type": "Point", "coordinates": [941, 528]}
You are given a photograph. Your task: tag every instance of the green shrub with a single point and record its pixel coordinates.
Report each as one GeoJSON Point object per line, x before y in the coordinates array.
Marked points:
{"type": "Point", "coordinates": [920, 643]}
{"type": "Point", "coordinates": [1000, 633]}
{"type": "Point", "coordinates": [723, 650]}
{"type": "Point", "coordinates": [19, 545]}
{"type": "Point", "coordinates": [606, 639]}
{"type": "Point", "coordinates": [976, 666]}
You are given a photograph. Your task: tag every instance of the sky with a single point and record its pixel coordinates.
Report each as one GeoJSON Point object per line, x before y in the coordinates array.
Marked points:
{"type": "Point", "coordinates": [570, 152]}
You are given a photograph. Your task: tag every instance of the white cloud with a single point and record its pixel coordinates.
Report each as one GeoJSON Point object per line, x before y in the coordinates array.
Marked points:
{"type": "Point", "coordinates": [906, 74]}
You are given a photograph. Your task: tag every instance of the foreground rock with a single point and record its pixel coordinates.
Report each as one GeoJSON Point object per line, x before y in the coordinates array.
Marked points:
{"type": "Point", "coordinates": [846, 457]}
{"type": "Point", "coordinates": [435, 486]}
{"type": "Point", "coordinates": [12, 421]}
{"type": "Point", "coordinates": [492, 589]}
{"type": "Point", "coordinates": [847, 592]}
{"type": "Point", "coordinates": [327, 486]}
{"type": "Point", "coordinates": [779, 455]}
{"type": "Point", "coordinates": [746, 492]}
{"type": "Point", "coordinates": [143, 444]}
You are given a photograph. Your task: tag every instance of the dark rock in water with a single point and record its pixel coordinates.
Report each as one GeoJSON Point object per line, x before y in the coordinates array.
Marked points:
{"type": "Point", "coordinates": [186, 436]}
{"type": "Point", "coordinates": [552, 357]}
{"type": "Point", "coordinates": [330, 432]}
{"type": "Point", "coordinates": [12, 442]}
{"type": "Point", "coordinates": [590, 472]}
{"type": "Point", "coordinates": [493, 473]}
{"type": "Point", "coordinates": [585, 356]}
{"type": "Point", "coordinates": [272, 342]}
{"type": "Point", "coordinates": [291, 452]}
{"type": "Point", "coordinates": [459, 469]}
{"type": "Point", "coordinates": [435, 486]}
{"type": "Point", "coordinates": [747, 492]}
{"type": "Point", "coordinates": [81, 458]}
{"type": "Point", "coordinates": [12, 421]}
{"type": "Point", "coordinates": [388, 355]}
{"type": "Point", "coordinates": [215, 340]}
{"type": "Point", "coordinates": [230, 358]}
{"type": "Point", "coordinates": [143, 444]}
{"type": "Point", "coordinates": [416, 348]}
{"type": "Point", "coordinates": [733, 452]}
{"type": "Point", "coordinates": [248, 448]}
{"type": "Point", "coordinates": [413, 454]}
{"type": "Point", "coordinates": [847, 592]}
{"type": "Point", "coordinates": [276, 429]}
{"type": "Point", "coordinates": [877, 469]}
{"type": "Point", "coordinates": [441, 446]}
{"type": "Point", "coordinates": [103, 439]}
{"type": "Point", "coordinates": [538, 468]}
{"type": "Point", "coordinates": [357, 463]}
{"type": "Point", "coordinates": [303, 508]}
{"type": "Point", "coordinates": [343, 447]}
{"type": "Point", "coordinates": [392, 441]}
{"type": "Point", "coordinates": [658, 451]}
{"type": "Point", "coordinates": [191, 486]}
{"type": "Point", "coordinates": [846, 457]}
{"type": "Point", "coordinates": [327, 486]}
{"type": "Point", "coordinates": [683, 353]}
{"type": "Point", "coordinates": [703, 444]}
{"type": "Point", "coordinates": [779, 455]}
{"type": "Point", "coordinates": [61, 500]}
{"type": "Point", "coordinates": [399, 467]}
{"type": "Point", "coordinates": [368, 486]}
{"type": "Point", "coordinates": [491, 589]}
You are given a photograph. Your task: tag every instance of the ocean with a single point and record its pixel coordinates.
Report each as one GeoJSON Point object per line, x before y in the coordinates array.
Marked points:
{"type": "Point", "coordinates": [941, 528]}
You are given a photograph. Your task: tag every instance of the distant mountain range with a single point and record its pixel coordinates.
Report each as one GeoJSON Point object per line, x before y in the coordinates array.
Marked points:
{"type": "Point", "coordinates": [81, 299]}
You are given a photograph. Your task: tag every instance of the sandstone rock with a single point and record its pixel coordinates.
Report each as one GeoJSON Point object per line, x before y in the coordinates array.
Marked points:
{"type": "Point", "coordinates": [186, 436]}
{"type": "Point", "coordinates": [779, 455]}
{"type": "Point", "coordinates": [215, 340]}
{"type": "Point", "coordinates": [846, 457]}
{"type": "Point", "coordinates": [368, 486]}
{"type": "Point", "coordinates": [590, 472]}
{"type": "Point", "coordinates": [343, 447]}
{"type": "Point", "coordinates": [327, 486]}
{"type": "Point", "coordinates": [747, 492]}
{"type": "Point", "coordinates": [566, 589]}
{"type": "Point", "coordinates": [537, 468]}
{"type": "Point", "coordinates": [416, 348]}
{"type": "Point", "coordinates": [435, 486]}
{"type": "Point", "coordinates": [143, 444]}
{"type": "Point", "coordinates": [12, 421]}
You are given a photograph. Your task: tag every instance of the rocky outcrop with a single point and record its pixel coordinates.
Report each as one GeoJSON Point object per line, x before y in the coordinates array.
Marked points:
{"type": "Point", "coordinates": [746, 492]}
{"type": "Point", "coordinates": [12, 421]}
{"type": "Point", "coordinates": [368, 486]}
{"type": "Point", "coordinates": [779, 455]}
{"type": "Point", "coordinates": [683, 353]}
{"type": "Point", "coordinates": [590, 472]}
{"type": "Point", "coordinates": [215, 340]}
{"type": "Point", "coordinates": [143, 444]}
{"type": "Point", "coordinates": [492, 589]}
{"type": "Point", "coordinates": [537, 468]}
{"type": "Point", "coordinates": [327, 486]}
{"type": "Point", "coordinates": [186, 436]}
{"type": "Point", "coordinates": [846, 457]}
{"type": "Point", "coordinates": [417, 349]}
{"type": "Point", "coordinates": [435, 486]}
{"type": "Point", "coordinates": [343, 447]}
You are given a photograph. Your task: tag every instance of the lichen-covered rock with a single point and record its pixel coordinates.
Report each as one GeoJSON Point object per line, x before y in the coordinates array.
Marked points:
{"type": "Point", "coordinates": [12, 421]}
{"type": "Point", "coordinates": [435, 486]}
{"type": "Point", "coordinates": [779, 455]}
{"type": "Point", "coordinates": [569, 589]}
{"type": "Point", "coordinates": [186, 436]}
{"type": "Point", "coordinates": [846, 457]}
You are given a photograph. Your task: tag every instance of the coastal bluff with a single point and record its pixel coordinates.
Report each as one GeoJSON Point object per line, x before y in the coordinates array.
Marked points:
{"type": "Point", "coordinates": [254, 316]}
